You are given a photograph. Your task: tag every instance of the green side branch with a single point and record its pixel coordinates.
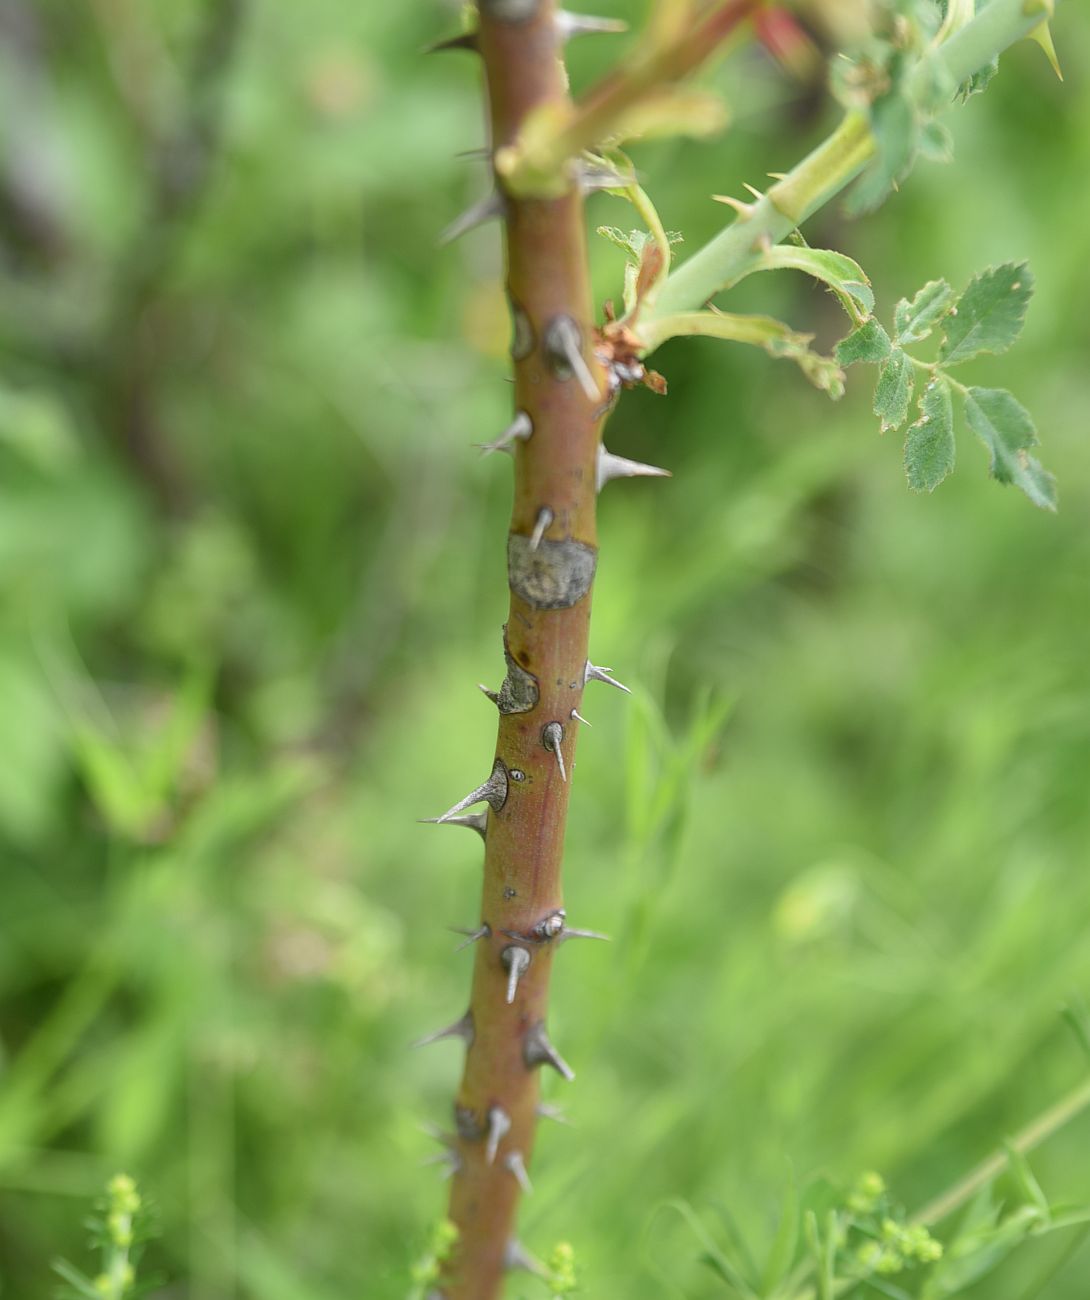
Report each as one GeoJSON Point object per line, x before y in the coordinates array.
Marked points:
{"type": "Point", "coordinates": [839, 159]}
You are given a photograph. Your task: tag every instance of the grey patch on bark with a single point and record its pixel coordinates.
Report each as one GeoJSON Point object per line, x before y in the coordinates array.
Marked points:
{"type": "Point", "coordinates": [467, 1124]}
{"type": "Point", "coordinates": [509, 11]}
{"type": "Point", "coordinates": [522, 333]}
{"type": "Point", "coordinates": [554, 576]}
{"type": "Point", "coordinates": [520, 691]}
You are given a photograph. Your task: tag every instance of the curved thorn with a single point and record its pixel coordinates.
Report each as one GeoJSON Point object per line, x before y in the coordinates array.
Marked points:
{"type": "Point", "coordinates": [494, 696]}
{"type": "Point", "coordinates": [486, 209]}
{"type": "Point", "coordinates": [463, 41]}
{"type": "Point", "coordinates": [493, 792]}
{"type": "Point", "coordinates": [544, 518]}
{"type": "Point", "coordinates": [753, 190]}
{"type": "Point", "coordinates": [475, 821]}
{"type": "Point", "coordinates": [611, 467]}
{"type": "Point", "coordinates": [538, 1050]}
{"type": "Point", "coordinates": [516, 1256]}
{"type": "Point", "coordinates": [569, 25]}
{"type": "Point", "coordinates": [552, 738]}
{"type": "Point", "coordinates": [483, 931]}
{"type": "Point", "coordinates": [514, 1164]}
{"type": "Point", "coordinates": [592, 673]}
{"type": "Point", "coordinates": [520, 428]}
{"type": "Point", "coordinates": [744, 210]}
{"type": "Point", "coordinates": [516, 961]}
{"type": "Point", "coordinates": [564, 351]}
{"type": "Point", "coordinates": [576, 716]}
{"type": "Point", "coordinates": [546, 1110]}
{"type": "Point", "coordinates": [567, 934]}
{"type": "Point", "coordinates": [499, 1125]}
{"type": "Point", "coordinates": [462, 1029]}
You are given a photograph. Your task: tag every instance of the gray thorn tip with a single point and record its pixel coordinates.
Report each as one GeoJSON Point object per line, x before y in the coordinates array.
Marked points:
{"type": "Point", "coordinates": [516, 961]}
{"type": "Point", "coordinates": [569, 25]}
{"type": "Point", "coordinates": [564, 349]}
{"type": "Point", "coordinates": [493, 792]}
{"type": "Point", "coordinates": [538, 1050]}
{"type": "Point", "coordinates": [483, 931]}
{"type": "Point", "coordinates": [567, 934]}
{"type": "Point", "coordinates": [519, 430]}
{"type": "Point", "coordinates": [545, 1110]}
{"type": "Point", "coordinates": [552, 737]}
{"type": "Point", "coordinates": [592, 673]}
{"type": "Point", "coordinates": [462, 1029]}
{"type": "Point", "coordinates": [515, 1165]}
{"type": "Point", "coordinates": [611, 467]}
{"type": "Point", "coordinates": [499, 1125]}
{"type": "Point", "coordinates": [544, 518]}
{"type": "Point", "coordinates": [516, 1256]}
{"type": "Point", "coordinates": [578, 717]}
{"type": "Point", "coordinates": [475, 821]}
{"type": "Point", "coordinates": [486, 209]}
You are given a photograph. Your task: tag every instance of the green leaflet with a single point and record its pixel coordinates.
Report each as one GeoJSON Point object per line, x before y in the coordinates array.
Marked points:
{"type": "Point", "coordinates": [869, 342]}
{"type": "Point", "coordinates": [929, 443]}
{"type": "Point", "coordinates": [843, 275]}
{"type": "Point", "coordinates": [913, 321]}
{"type": "Point", "coordinates": [1006, 428]}
{"type": "Point", "coordinates": [632, 242]}
{"type": "Point", "coordinates": [776, 338]}
{"type": "Point", "coordinates": [989, 314]}
{"type": "Point", "coordinates": [893, 392]}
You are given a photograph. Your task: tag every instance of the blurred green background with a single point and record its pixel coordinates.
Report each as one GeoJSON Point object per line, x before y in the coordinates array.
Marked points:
{"type": "Point", "coordinates": [252, 570]}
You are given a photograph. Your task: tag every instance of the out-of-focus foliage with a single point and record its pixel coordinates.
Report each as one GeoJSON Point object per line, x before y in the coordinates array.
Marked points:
{"type": "Point", "coordinates": [251, 571]}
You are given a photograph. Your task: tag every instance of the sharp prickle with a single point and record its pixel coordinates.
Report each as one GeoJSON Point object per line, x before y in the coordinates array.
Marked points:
{"type": "Point", "coordinates": [552, 737]}
{"type": "Point", "coordinates": [463, 41]}
{"type": "Point", "coordinates": [519, 430]}
{"type": "Point", "coordinates": [538, 1050]}
{"type": "Point", "coordinates": [487, 209]}
{"type": "Point", "coordinates": [475, 821]}
{"type": "Point", "coordinates": [515, 1164]}
{"type": "Point", "coordinates": [592, 673]}
{"type": "Point", "coordinates": [568, 933]}
{"type": "Point", "coordinates": [516, 1256]}
{"type": "Point", "coordinates": [546, 1110]}
{"type": "Point", "coordinates": [743, 209]}
{"type": "Point", "coordinates": [611, 467]}
{"type": "Point", "coordinates": [516, 961]}
{"type": "Point", "coordinates": [753, 190]}
{"type": "Point", "coordinates": [462, 1028]}
{"type": "Point", "coordinates": [576, 716]}
{"type": "Point", "coordinates": [483, 931]}
{"type": "Point", "coordinates": [544, 518]}
{"type": "Point", "coordinates": [569, 25]}
{"type": "Point", "coordinates": [499, 1125]}
{"type": "Point", "coordinates": [564, 349]}
{"type": "Point", "coordinates": [493, 792]}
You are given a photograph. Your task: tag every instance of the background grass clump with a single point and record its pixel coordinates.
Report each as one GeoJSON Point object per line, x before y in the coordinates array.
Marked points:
{"type": "Point", "coordinates": [250, 572]}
